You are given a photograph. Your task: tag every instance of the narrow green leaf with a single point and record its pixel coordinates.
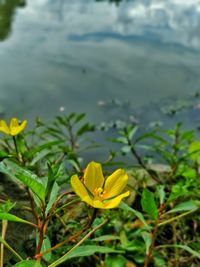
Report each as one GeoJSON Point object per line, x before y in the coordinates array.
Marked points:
{"type": "Point", "coordinates": [138, 214]}
{"type": "Point", "coordinates": [184, 206]}
{"type": "Point", "coordinates": [4, 154]}
{"type": "Point", "coordinates": [184, 247]}
{"type": "Point", "coordinates": [6, 206]}
{"type": "Point", "coordinates": [152, 135]}
{"type": "Point", "coordinates": [105, 238]}
{"type": "Point", "coordinates": [148, 240]}
{"type": "Point", "coordinates": [46, 244]}
{"type": "Point", "coordinates": [10, 248]}
{"type": "Point", "coordinates": [194, 150]}
{"type": "Point", "coordinates": [79, 117]}
{"type": "Point", "coordinates": [85, 128]}
{"type": "Point", "coordinates": [121, 140]}
{"type": "Point", "coordinates": [28, 263]}
{"type": "Point", "coordinates": [47, 145]}
{"type": "Point", "coordinates": [28, 178]}
{"type": "Point", "coordinates": [52, 197]}
{"type": "Point", "coordinates": [132, 131]}
{"type": "Point", "coordinates": [115, 261]}
{"type": "Point", "coordinates": [161, 191]}
{"type": "Point", "coordinates": [126, 149]}
{"type": "Point", "coordinates": [148, 204]}
{"type": "Point", "coordinates": [88, 250]}
{"type": "Point", "coordinates": [12, 218]}
{"type": "Point", "coordinates": [40, 155]}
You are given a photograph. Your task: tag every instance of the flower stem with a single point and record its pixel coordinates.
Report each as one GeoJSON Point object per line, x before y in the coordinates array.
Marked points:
{"type": "Point", "coordinates": [64, 257]}
{"type": "Point", "coordinates": [3, 234]}
{"type": "Point", "coordinates": [71, 238]}
{"type": "Point", "coordinates": [19, 156]}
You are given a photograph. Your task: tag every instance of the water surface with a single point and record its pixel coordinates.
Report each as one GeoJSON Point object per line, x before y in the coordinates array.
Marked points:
{"type": "Point", "coordinates": [74, 55]}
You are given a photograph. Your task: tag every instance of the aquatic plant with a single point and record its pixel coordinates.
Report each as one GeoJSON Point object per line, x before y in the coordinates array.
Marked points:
{"type": "Point", "coordinates": [78, 213]}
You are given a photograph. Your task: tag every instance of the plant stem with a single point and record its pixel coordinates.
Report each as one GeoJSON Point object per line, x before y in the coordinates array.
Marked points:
{"type": "Point", "coordinates": [19, 156]}
{"type": "Point", "coordinates": [32, 204]}
{"type": "Point", "coordinates": [64, 257]}
{"type": "Point", "coordinates": [153, 237]}
{"type": "Point", "coordinates": [140, 161]}
{"type": "Point", "coordinates": [11, 249]}
{"type": "Point", "coordinates": [71, 238]}
{"type": "Point", "coordinates": [42, 230]}
{"type": "Point", "coordinates": [176, 254]}
{"type": "Point", "coordinates": [177, 217]}
{"type": "Point", "coordinates": [3, 235]}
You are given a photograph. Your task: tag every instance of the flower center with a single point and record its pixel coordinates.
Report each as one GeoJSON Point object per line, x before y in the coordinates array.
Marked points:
{"type": "Point", "coordinates": [98, 193]}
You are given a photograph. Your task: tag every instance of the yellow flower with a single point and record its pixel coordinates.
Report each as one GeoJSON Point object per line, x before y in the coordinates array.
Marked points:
{"type": "Point", "coordinates": [100, 192]}
{"type": "Point", "coordinates": [14, 128]}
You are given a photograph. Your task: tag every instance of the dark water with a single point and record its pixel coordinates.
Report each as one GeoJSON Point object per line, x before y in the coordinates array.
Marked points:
{"type": "Point", "coordinates": [76, 55]}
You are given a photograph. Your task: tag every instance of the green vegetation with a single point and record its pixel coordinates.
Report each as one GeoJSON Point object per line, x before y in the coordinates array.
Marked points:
{"type": "Point", "coordinates": [44, 223]}
{"type": "Point", "coordinates": [7, 11]}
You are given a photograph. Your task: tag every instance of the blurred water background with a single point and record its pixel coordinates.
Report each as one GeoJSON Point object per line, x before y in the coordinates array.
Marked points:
{"type": "Point", "coordinates": [86, 56]}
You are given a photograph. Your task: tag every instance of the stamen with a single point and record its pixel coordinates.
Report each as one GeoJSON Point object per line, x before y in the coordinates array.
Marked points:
{"type": "Point", "coordinates": [98, 193]}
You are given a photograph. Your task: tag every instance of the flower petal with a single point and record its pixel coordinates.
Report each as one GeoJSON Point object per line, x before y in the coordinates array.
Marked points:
{"type": "Point", "coordinates": [81, 191]}
{"type": "Point", "coordinates": [114, 202]}
{"type": "Point", "coordinates": [115, 183]}
{"type": "Point", "coordinates": [15, 127]}
{"type": "Point", "coordinates": [93, 176]}
{"type": "Point", "coordinates": [14, 123]}
{"type": "Point", "coordinates": [4, 127]}
{"type": "Point", "coordinates": [78, 187]}
{"type": "Point", "coordinates": [97, 204]}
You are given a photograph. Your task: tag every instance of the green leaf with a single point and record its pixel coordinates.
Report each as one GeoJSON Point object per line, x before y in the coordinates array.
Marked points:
{"type": "Point", "coordinates": [4, 155]}
{"type": "Point", "coordinates": [148, 204]}
{"type": "Point", "coordinates": [115, 261]}
{"type": "Point", "coordinates": [148, 240]}
{"type": "Point", "coordinates": [124, 206]}
{"type": "Point", "coordinates": [28, 263]}
{"type": "Point", "coordinates": [28, 178]}
{"type": "Point", "coordinates": [105, 238]}
{"type": "Point", "coordinates": [52, 197]}
{"type": "Point", "coordinates": [43, 146]}
{"type": "Point", "coordinates": [10, 248]}
{"type": "Point", "coordinates": [125, 149]}
{"type": "Point", "coordinates": [150, 135]}
{"type": "Point", "coordinates": [40, 155]}
{"type": "Point", "coordinates": [121, 140]}
{"type": "Point", "coordinates": [194, 150]}
{"type": "Point", "coordinates": [83, 251]}
{"type": "Point", "coordinates": [184, 247]}
{"type": "Point", "coordinates": [89, 250]}
{"type": "Point", "coordinates": [12, 218]}
{"type": "Point", "coordinates": [184, 206]}
{"type": "Point", "coordinates": [79, 117]}
{"type": "Point", "coordinates": [6, 206]}
{"type": "Point", "coordinates": [85, 128]}
{"type": "Point", "coordinates": [161, 191]}
{"type": "Point", "coordinates": [46, 244]}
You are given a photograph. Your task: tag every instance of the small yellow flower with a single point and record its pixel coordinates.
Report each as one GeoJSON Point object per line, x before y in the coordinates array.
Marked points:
{"type": "Point", "coordinates": [14, 128]}
{"type": "Point", "coordinates": [100, 192]}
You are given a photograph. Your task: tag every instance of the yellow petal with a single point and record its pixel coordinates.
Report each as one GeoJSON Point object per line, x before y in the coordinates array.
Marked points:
{"type": "Point", "coordinates": [80, 190]}
{"type": "Point", "coordinates": [93, 176]}
{"type": "Point", "coordinates": [15, 127]}
{"type": "Point", "coordinates": [78, 187]}
{"type": "Point", "coordinates": [4, 127]}
{"type": "Point", "coordinates": [95, 203]}
{"type": "Point", "coordinates": [114, 202]}
{"type": "Point", "coordinates": [14, 123]}
{"type": "Point", "coordinates": [115, 183]}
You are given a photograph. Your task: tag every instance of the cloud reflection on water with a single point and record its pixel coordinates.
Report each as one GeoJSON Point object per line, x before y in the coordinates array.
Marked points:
{"type": "Point", "coordinates": [169, 21]}
{"type": "Point", "coordinates": [66, 50]}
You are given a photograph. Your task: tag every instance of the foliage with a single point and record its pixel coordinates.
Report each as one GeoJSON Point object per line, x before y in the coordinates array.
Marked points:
{"type": "Point", "coordinates": [157, 226]}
